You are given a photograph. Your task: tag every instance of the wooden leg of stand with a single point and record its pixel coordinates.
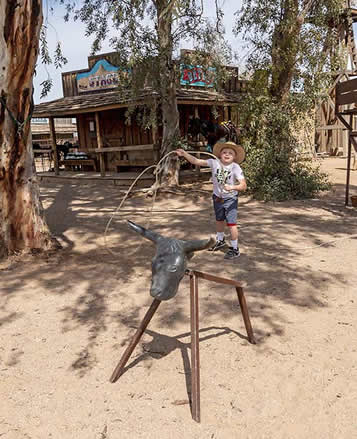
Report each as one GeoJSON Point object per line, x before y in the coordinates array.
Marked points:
{"type": "Point", "coordinates": [244, 308]}
{"type": "Point", "coordinates": [195, 353]}
{"type": "Point", "coordinates": [134, 341]}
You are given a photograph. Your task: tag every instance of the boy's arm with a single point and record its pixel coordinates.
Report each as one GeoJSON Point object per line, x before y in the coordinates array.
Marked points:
{"type": "Point", "coordinates": [241, 187]}
{"type": "Point", "coordinates": [190, 158]}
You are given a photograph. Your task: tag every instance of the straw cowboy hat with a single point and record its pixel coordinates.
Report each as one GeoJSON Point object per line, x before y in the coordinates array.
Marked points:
{"type": "Point", "coordinates": [239, 150]}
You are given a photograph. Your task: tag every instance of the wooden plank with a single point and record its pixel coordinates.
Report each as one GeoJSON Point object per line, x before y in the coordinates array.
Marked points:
{"type": "Point", "coordinates": [347, 112]}
{"type": "Point", "coordinates": [54, 144]}
{"type": "Point", "coordinates": [79, 162]}
{"type": "Point", "coordinates": [217, 279]}
{"type": "Point", "coordinates": [42, 151]}
{"type": "Point", "coordinates": [346, 86]}
{"type": "Point", "coordinates": [122, 148]}
{"type": "Point", "coordinates": [100, 144]}
{"type": "Point", "coordinates": [330, 127]}
{"type": "Point", "coordinates": [346, 98]}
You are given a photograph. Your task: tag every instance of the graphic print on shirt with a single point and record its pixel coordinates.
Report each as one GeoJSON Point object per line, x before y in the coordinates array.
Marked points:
{"type": "Point", "coordinates": [222, 175]}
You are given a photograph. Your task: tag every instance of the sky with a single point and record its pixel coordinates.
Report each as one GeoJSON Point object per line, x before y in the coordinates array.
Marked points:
{"type": "Point", "coordinates": [76, 46]}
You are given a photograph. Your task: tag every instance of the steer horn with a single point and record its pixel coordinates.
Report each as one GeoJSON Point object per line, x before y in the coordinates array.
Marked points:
{"type": "Point", "coordinates": [148, 234]}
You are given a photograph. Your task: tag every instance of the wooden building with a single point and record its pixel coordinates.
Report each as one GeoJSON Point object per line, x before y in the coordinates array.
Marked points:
{"type": "Point", "coordinates": [66, 130]}
{"type": "Point", "coordinates": [112, 142]}
{"type": "Point", "coordinates": [331, 136]}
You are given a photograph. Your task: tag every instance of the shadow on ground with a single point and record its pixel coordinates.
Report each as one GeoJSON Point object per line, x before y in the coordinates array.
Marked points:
{"type": "Point", "coordinates": [99, 289]}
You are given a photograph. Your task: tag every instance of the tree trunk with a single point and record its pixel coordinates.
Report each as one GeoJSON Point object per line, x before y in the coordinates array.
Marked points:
{"type": "Point", "coordinates": [285, 43]}
{"type": "Point", "coordinates": [170, 115]}
{"type": "Point", "coordinates": [23, 225]}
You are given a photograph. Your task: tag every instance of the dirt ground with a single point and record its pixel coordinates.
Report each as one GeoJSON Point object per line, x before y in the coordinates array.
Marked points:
{"type": "Point", "coordinates": [66, 319]}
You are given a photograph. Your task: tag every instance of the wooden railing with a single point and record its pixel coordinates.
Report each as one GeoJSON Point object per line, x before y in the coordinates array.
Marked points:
{"type": "Point", "coordinates": [124, 159]}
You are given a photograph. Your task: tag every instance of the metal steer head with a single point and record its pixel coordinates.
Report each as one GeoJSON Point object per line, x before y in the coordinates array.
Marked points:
{"type": "Point", "coordinates": [169, 263]}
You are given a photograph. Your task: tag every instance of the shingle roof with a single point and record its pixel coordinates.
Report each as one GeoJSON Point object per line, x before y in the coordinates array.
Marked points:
{"type": "Point", "coordinates": [70, 106]}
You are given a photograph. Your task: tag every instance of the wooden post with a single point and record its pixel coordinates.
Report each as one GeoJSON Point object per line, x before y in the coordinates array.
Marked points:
{"type": "Point", "coordinates": [135, 340]}
{"type": "Point", "coordinates": [225, 113]}
{"type": "Point", "coordinates": [195, 350]}
{"type": "Point", "coordinates": [244, 309]}
{"type": "Point", "coordinates": [197, 168]}
{"type": "Point", "coordinates": [348, 164]}
{"type": "Point", "coordinates": [100, 145]}
{"type": "Point", "coordinates": [194, 314]}
{"type": "Point", "coordinates": [54, 144]}
{"type": "Point", "coordinates": [156, 148]}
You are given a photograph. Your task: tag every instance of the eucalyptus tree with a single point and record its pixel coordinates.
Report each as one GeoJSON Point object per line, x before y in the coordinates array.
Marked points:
{"type": "Point", "coordinates": [293, 41]}
{"type": "Point", "coordinates": [147, 34]}
{"type": "Point", "coordinates": [22, 222]}
{"type": "Point", "coordinates": [292, 59]}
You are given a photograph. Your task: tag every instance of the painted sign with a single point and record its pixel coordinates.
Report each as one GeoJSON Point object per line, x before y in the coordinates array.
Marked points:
{"type": "Point", "coordinates": [39, 120]}
{"type": "Point", "coordinates": [197, 76]}
{"type": "Point", "coordinates": [102, 76]}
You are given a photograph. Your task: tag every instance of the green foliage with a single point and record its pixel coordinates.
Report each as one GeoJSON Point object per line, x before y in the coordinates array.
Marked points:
{"type": "Point", "coordinates": [305, 31]}
{"type": "Point", "coordinates": [293, 55]}
{"type": "Point", "coordinates": [58, 59]}
{"type": "Point", "coordinates": [274, 168]}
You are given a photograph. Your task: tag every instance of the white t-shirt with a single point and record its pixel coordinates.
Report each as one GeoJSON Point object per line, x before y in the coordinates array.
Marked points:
{"type": "Point", "coordinates": [222, 175]}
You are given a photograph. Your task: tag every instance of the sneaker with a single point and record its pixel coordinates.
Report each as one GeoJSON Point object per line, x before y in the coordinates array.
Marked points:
{"type": "Point", "coordinates": [217, 246]}
{"type": "Point", "coordinates": [232, 253]}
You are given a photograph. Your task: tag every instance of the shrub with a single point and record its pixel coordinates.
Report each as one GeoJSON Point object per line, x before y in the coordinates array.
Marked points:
{"type": "Point", "coordinates": [273, 168]}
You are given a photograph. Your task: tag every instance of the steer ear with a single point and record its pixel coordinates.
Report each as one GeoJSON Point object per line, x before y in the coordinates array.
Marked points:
{"type": "Point", "coordinates": [148, 234]}
{"type": "Point", "coordinates": [199, 244]}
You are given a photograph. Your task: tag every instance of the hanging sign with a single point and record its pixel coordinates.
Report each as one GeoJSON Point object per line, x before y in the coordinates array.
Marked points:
{"type": "Point", "coordinates": [197, 76]}
{"type": "Point", "coordinates": [102, 76]}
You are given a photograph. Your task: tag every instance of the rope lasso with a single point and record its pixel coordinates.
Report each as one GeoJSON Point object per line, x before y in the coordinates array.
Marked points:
{"type": "Point", "coordinates": [154, 199]}
{"type": "Point", "coordinates": [154, 196]}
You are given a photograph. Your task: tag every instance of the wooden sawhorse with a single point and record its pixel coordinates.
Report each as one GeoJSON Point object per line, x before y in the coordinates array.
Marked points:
{"type": "Point", "coordinates": [194, 315]}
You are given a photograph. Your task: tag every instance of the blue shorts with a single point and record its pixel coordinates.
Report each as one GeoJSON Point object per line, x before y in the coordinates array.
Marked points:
{"type": "Point", "coordinates": [226, 209]}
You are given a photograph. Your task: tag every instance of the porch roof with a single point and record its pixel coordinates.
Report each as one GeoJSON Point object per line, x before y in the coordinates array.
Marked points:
{"type": "Point", "coordinates": [88, 103]}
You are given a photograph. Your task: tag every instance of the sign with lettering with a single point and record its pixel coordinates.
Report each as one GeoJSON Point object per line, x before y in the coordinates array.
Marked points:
{"type": "Point", "coordinates": [197, 76]}
{"type": "Point", "coordinates": [102, 76]}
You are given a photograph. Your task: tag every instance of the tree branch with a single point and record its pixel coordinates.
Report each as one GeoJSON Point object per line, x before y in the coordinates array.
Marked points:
{"type": "Point", "coordinates": [305, 10]}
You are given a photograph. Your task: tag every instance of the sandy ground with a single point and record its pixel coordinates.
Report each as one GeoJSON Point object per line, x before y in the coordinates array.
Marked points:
{"type": "Point", "coordinates": [65, 321]}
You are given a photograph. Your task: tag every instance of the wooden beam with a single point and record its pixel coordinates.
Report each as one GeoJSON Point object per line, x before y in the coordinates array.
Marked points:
{"type": "Point", "coordinates": [346, 86]}
{"type": "Point", "coordinates": [346, 98]}
{"type": "Point", "coordinates": [122, 148]}
{"type": "Point", "coordinates": [54, 144]}
{"type": "Point", "coordinates": [330, 127]}
{"type": "Point", "coordinates": [100, 145]}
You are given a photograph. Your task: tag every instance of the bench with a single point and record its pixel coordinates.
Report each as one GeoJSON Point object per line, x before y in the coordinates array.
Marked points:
{"type": "Point", "coordinates": [79, 164]}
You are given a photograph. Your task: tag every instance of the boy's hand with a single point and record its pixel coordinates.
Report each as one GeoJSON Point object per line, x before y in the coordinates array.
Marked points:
{"type": "Point", "coordinates": [180, 152]}
{"type": "Point", "coordinates": [228, 187]}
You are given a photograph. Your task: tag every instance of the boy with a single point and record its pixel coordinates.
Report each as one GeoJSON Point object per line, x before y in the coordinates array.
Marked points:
{"type": "Point", "coordinates": [226, 172]}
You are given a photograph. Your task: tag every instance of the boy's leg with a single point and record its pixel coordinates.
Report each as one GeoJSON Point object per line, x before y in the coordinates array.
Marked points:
{"type": "Point", "coordinates": [220, 223]}
{"type": "Point", "coordinates": [234, 232]}
{"type": "Point", "coordinates": [220, 240]}
{"type": "Point", "coordinates": [231, 214]}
